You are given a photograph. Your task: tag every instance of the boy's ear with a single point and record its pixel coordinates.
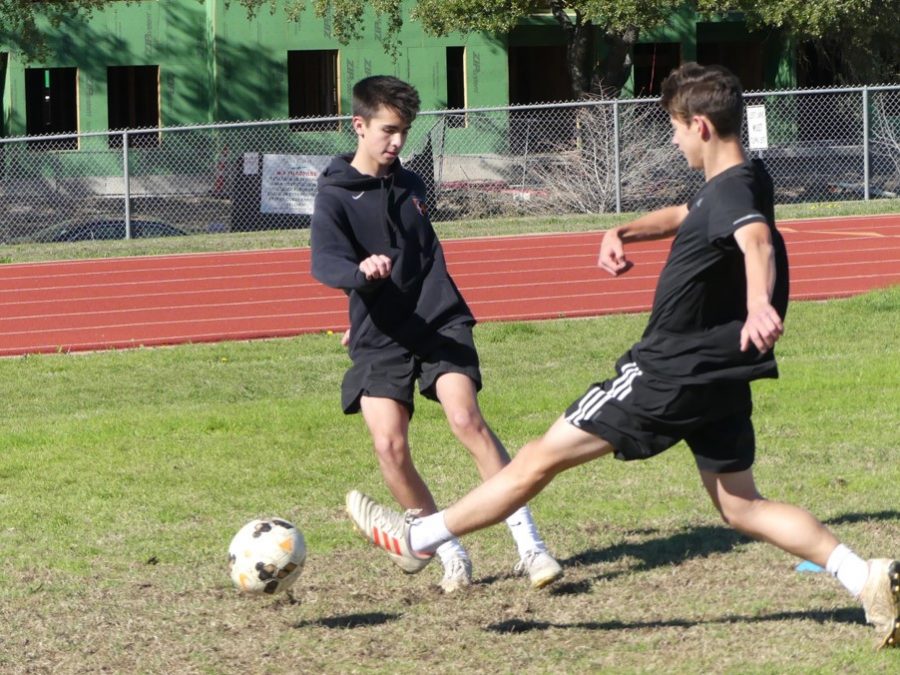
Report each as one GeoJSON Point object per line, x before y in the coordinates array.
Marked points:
{"type": "Point", "coordinates": [704, 127]}
{"type": "Point", "coordinates": [359, 124]}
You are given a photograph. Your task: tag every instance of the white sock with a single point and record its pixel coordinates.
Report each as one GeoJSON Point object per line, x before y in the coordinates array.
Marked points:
{"type": "Point", "coordinates": [427, 533]}
{"type": "Point", "coordinates": [851, 570]}
{"type": "Point", "coordinates": [524, 531]}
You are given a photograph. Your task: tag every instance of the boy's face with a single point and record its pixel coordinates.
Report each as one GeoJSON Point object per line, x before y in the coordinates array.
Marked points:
{"type": "Point", "coordinates": [381, 138]}
{"type": "Point", "coordinates": [688, 137]}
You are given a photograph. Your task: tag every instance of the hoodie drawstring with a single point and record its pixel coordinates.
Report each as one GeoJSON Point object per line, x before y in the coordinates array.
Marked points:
{"type": "Point", "coordinates": [390, 227]}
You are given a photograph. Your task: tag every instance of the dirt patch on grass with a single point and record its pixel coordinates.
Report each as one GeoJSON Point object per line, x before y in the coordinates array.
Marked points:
{"type": "Point", "coordinates": [659, 601]}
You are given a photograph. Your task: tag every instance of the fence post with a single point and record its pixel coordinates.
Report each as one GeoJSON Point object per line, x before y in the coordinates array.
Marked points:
{"type": "Point", "coordinates": [616, 156]}
{"type": "Point", "coordinates": [525, 156]}
{"type": "Point", "coordinates": [126, 177]}
{"type": "Point", "coordinates": [865, 104]}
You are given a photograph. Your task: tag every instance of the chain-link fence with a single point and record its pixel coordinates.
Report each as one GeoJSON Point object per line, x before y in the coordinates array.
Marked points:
{"type": "Point", "coordinates": [586, 157]}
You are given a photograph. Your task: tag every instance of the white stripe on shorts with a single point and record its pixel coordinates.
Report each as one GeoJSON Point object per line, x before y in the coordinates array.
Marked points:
{"type": "Point", "coordinates": [596, 397]}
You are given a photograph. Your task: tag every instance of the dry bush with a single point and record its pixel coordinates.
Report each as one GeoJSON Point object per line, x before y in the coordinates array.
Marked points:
{"type": "Point", "coordinates": [578, 175]}
{"type": "Point", "coordinates": [885, 140]}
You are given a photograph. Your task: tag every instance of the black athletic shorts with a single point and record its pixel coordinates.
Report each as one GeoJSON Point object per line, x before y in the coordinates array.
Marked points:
{"type": "Point", "coordinates": [641, 416]}
{"type": "Point", "coordinates": [391, 372]}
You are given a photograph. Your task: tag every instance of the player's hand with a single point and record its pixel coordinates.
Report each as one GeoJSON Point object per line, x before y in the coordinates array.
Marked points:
{"type": "Point", "coordinates": [376, 266]}
{"type": "Point", "coordinates": [345, 338]}
{"type": "Point", "coordinates": [612, 254]}
{"type": "Point", "coordinates": [762, 328]}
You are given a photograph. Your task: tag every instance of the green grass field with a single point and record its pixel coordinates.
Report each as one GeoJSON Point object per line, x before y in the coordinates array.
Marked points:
{"type": "Point", "coordinates": [125, 474]}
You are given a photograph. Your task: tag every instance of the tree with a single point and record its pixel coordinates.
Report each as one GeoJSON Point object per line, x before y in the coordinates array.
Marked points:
{"type": "Point", "coordinates": [860, 39]}
{"type": "Point", "coordinates": [857, 41]}
{"type": "Point", "coordinates": [19, 20]}
{"type": "Point", "coordinates": [619, 22]}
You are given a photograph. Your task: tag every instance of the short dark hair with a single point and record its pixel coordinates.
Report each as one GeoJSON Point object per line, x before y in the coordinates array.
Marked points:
{"type": "Point", "coordinates": [373, 92]}
{"type": "Point", "coordinates": [712, 91]}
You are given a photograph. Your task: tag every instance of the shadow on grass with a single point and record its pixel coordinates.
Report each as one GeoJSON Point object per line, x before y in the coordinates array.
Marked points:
{"type": "Point", "coordinates": [850, 518]}
{"type": "Point", "coordinates": [848, 615]}
{"type": "Point", "coordinates": [696, 542]}
{"type": "Point", "coordinates": [348, 621]}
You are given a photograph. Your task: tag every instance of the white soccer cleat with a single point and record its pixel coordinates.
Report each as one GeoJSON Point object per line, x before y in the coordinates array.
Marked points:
{"type": "Point", "coordinates": [386, 529]}
{"type": "Point", "coordinates": [540, 567]}
{"type": "Point", "coordinates": [881, 600]}
{"type": "Point", "coordinates": [457, 574]}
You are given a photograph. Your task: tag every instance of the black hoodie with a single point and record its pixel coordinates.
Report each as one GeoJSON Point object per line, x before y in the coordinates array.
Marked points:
{"type": "Point", "coordinates": [356, 216]}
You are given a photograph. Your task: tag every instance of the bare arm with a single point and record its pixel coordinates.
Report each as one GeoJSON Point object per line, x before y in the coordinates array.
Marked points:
{"type": "Point", "coordinates": [763, 326]}
{"type": "Point", "coordinates": [657, 224]}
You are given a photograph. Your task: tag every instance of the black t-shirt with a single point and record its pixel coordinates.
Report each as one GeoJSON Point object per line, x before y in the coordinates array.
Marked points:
{"type": "Point", "coordinates": [700, 306]}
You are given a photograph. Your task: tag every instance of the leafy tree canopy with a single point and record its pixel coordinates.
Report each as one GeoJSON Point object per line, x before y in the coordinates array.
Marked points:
{"type": "Point", "coordinates": [19, 20]}
{"type": "Point", "coordinates": [857, 40]}
{"type": "Point", "coordinates": [619, 21]}
{"type": "Point", "coordinates": [860, 39]}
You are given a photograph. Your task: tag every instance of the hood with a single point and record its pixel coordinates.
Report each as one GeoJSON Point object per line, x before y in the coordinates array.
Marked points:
{"type": "Point", "coordinates": [340, 173]}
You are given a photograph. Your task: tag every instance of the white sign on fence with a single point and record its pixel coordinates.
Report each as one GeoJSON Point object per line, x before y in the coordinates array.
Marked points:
{"type": "Point", "coordinates": [289, 182]}
{"type": "Point", "coordinates": [756, 127]}
{"type": "Point", "coordinates": [251, 163]}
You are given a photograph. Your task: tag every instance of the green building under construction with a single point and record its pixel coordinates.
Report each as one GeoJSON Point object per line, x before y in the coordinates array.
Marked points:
{"type": "Point", "coordinates": [165, 63]}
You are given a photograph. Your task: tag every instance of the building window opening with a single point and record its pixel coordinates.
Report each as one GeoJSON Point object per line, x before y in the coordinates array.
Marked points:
{"type": "Point", "coordinates": [456, 85]}
{"type": "Point", "coordinates": [652, 64]}
{"type": "Point", "coordinates": [312, 87]}
{"type": "Point", "coordinates": [133, 103]}
{"type": "Point", "coordinates": [51, 106]}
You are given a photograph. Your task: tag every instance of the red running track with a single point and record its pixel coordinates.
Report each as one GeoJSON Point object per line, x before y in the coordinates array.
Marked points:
{"type": "Point", "coordinates": [162, 300]}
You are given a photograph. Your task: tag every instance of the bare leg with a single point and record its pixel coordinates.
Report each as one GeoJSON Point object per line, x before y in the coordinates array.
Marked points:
{"type": "Point", "coordinates": [388, 423]}
{"type": "Point", "coordinates": [458, 397]}
{"type": "Point", "coordinates": [533, 467]}
{"type": "Point", "coordinates": [788, 527]}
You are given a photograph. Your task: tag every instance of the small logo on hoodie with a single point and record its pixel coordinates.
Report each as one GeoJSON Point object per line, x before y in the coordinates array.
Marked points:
{"type": "Point", "coordinates": [421, 206]}
{"type": "Point", "coordinates": [359, 195]}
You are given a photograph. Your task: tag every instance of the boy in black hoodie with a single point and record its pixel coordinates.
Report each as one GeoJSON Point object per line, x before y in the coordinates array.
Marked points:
{"type": "Point", "coordinates": [372, 238]}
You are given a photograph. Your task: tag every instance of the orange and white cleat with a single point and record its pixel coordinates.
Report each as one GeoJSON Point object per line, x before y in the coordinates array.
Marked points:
{"type": "Point", "coordinates": [386, 529]}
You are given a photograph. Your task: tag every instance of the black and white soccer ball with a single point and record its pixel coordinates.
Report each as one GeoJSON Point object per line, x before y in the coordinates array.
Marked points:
{"type": "Point", "coordinates": [266, 556]}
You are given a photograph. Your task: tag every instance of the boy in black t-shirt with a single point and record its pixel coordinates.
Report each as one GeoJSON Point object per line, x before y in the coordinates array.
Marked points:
{"type": "Point", "coordinates": [372, 238]}
{"type": "Point", "coordinates": [717, 314]}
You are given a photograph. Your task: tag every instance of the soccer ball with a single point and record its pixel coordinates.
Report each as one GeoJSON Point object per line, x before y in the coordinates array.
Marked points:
{"type": "Point", "coordinates": [266, 556]}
